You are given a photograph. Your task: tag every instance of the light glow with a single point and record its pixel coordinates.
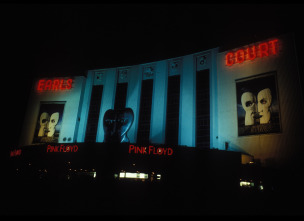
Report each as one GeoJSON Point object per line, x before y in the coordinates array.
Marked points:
{"type": "Point", "coordinates": [54, 84]}
{"type": "Point", "coordinates": [244, 183]}
{"type": "Point", "coordinates": [263, 49]}
{"type": "Point", "coordinates": [130, 175]}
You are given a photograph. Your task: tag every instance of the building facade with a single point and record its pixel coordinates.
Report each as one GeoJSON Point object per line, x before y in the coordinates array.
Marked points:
{"type": "Point", "coordinates": [246, 99]}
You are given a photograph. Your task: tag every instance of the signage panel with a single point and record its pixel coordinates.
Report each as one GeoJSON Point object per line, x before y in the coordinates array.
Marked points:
{"type": "Point", "coordinates": [263, 49]}
{"type": "Point", "coordinates": [56, 84]}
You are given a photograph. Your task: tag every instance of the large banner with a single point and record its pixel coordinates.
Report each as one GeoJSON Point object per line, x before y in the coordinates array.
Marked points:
{"type": "Point", "coordinates": [258, 109]}
{"type": "Point", "coordinates": [49, 123]}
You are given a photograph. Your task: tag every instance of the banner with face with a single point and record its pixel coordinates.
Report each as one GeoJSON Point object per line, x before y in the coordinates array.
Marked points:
{"type": "Point", "coordinates": [49, 123]}
{"type": "Point", "coordinates": [258, 105]}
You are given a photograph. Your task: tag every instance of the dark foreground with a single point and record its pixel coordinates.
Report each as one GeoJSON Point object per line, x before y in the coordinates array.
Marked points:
{"type": "Point", "coordinates": [142, 198]}
{"type": "Point", "coordinates": [191, 181]}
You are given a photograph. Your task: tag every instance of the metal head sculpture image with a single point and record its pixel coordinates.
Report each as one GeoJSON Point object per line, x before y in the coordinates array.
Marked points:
{"type": "Point", "coordinates": [116, 124]}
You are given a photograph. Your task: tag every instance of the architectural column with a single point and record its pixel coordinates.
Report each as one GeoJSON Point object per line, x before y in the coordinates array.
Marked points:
{"type": "Point", "coordinates": [159, 101]}
{"type": "Point", "coordinates": [107, 101]}
{"type": "Point", "coordinates": [187, 103]}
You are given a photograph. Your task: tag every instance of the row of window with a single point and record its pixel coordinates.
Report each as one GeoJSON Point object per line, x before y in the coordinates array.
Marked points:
{"type": "Point", "coordinates": [172, 115]}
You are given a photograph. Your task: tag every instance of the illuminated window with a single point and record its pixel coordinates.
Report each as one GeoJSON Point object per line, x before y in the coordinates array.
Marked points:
{"type": "Point", "coordinates": [250, 184]}
{"type": "Point", "coordinates": [245, 183]}
{"type": "Point", "coordinates": [133, 175]}
{"type": "Point", "coordinates": [138, 176]}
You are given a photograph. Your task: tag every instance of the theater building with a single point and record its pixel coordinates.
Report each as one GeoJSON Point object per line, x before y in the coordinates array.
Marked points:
{"type": "Point", "coordinates": [242, 105]}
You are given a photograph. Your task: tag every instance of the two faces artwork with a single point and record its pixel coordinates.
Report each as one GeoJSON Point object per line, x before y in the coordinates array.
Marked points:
{"type": "Point", "coordinates": [258, 105]}
{"type": "Point", "coordinates": [257, 108]}
{"type": "Point", "coordinates": [48, 124]}
{"type": "Point", "coordinates": [116, 123]}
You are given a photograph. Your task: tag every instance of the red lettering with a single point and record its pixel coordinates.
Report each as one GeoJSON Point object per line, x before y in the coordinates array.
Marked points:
{"type": "Point", "coordinates": [154, 150]}
{"type": "Point", "coordinates": [48, 85]}
{"type": "Point", "coordinates": [40, 85]}
{"type": "Point", "coordinates": [251, 53]}
{"type": "Point", "coordinates": [273, 46]}
{"type": "Point", "coordinates": [139, 150]}
{"type": "Point", "coordinates": [263, 48]}
{"type": "Point", "coordinates": [62, 148]}
{"type": "Point", "coordinates": [131, 147]}
{"type": "Point", "coordinates": [240, 56]}
{"type": "Point", "coordinates": [61, 85]}
{"type": "Point", "coordinates": [170, 151]}
{"type": "Point", "coordinates": [55, 85]}
{"type": "Point", "coordinates": [229, 59]}
{"type": "Point", "coordinates": [14, 153]}
{"type": "Point", "coordinates": [75, 148]}
{"type": "Point", "coordinates": [69, 84]}
{"type": "Point", "coordinates": [18, 152]}
{"type": "Point", "coordinates": [48, 148]}
{"type": "Point", "coordinates": [150, 149]}
{"type": "Point", "coordinates": [144, 150]}
{"type": "Point", "coordinates": [159, 151]}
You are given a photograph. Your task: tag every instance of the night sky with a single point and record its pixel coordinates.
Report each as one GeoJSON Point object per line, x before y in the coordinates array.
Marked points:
{"type": "Point", "coordinates": [68, 39]}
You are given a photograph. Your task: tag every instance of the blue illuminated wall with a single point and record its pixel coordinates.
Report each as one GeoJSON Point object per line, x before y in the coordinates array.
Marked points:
{"type": "Point", "coordinates": [224, 130]}
{"type": "Point", "coordinates": [159, 71]}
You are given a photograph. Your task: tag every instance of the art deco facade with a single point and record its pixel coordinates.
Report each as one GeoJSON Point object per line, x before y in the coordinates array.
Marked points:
{"type": "Point", "coordinates": [246, 99]}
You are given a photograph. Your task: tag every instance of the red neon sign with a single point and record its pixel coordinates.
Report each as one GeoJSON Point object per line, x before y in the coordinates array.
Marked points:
{"type": "Point", "coordinates": [62, 148]}
{"type": "Point", "coordinates": [54, 84]}
{"type": "Point", "coordinates": [150, 150]}
{"type": "Point", "coordinates": [263, 49]}
{"type": "Point", "coordinates": [15, 153]}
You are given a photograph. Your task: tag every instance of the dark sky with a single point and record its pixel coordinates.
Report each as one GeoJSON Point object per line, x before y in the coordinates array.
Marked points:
{"type": "Point", "coordinates": [65, 39]}
{"type": "Point", "coordinates": [68, 39]}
